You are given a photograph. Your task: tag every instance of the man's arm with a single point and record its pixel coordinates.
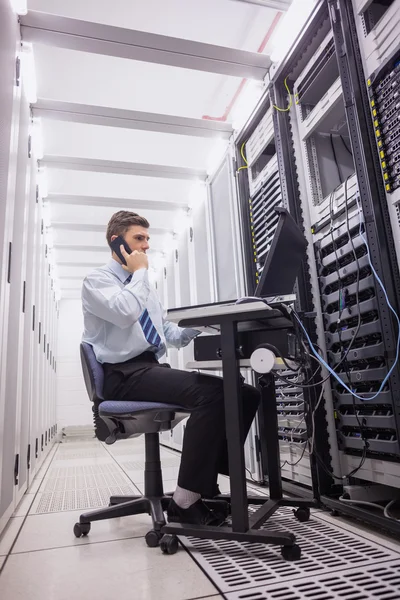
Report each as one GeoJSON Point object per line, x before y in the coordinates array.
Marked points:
{"type": "Point", "coordinates": [102, 297]}
{"type": "Point", "coordinates": [176, 336]}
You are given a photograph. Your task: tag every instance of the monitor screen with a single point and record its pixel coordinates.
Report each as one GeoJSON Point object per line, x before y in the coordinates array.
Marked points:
{"type": "Point", "coordinates": [281, 267]}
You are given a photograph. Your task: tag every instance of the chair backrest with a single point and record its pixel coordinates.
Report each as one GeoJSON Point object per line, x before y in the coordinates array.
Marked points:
{"type": "Point", "coordinates": [93, 373]}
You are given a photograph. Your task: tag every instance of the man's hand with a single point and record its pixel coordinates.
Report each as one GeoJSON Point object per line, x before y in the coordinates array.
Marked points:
{"type": "Point", "coordinates": [135, 261]}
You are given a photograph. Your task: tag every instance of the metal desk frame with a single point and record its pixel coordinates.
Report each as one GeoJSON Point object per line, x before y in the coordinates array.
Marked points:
{"type": "Point", "coordinates": [245, 528]}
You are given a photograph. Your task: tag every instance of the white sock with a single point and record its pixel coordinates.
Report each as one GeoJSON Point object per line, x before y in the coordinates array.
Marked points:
{"type": "Point", "coordinates": [185, 498]}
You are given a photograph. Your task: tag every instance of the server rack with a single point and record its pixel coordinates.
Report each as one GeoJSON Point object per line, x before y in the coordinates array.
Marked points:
{"type": "Point", "coordinates": [260, 191]}
{"type": "Point", "coordinates": [330, 171]}
{"type": "Point", "coordinates": [27, 302]}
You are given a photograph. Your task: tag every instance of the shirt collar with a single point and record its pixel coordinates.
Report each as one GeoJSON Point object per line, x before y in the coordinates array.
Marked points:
{"type": "Point", "coordinates": [117, 269]}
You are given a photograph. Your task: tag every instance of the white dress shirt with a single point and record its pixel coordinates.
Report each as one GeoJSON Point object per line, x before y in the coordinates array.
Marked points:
{"type": "Point", "coordinates": [112, 310]}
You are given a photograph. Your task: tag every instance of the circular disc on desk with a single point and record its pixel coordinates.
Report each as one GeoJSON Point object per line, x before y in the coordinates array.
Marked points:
{"type": "Point", "coordinates": [262, 360]}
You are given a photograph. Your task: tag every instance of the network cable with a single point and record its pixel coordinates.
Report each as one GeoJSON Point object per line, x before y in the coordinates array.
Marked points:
{"type": "Point", "coordinates": [246, 164]}
{"type": "Point", "coordinates": [335, 159]}
{"type": "Point", "coordinates": [321, 359]}
{"type": "Point", "coordinates": [289, 106]}
{"type": "Point", "coordinates": [345, 355]}
{"type": "Point", "coordinates": [387, 508]}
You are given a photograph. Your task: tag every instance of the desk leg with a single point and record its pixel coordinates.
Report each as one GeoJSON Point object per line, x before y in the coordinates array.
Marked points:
{"type": "Point", "coordinates": [269, 435]}
{"type": "Point", "coordinates": [234, 427]}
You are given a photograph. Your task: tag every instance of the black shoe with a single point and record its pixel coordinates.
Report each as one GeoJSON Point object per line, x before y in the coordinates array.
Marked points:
{"type": "Point", "coordinates": [197, 514]}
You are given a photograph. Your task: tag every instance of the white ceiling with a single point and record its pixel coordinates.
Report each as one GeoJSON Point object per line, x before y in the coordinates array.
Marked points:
{"type": "Point", "coordinates": [80, 202]}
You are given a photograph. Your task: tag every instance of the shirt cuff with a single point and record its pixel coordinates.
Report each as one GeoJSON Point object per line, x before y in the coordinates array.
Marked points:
{"type": "Point", "coordinates": [192, 333]}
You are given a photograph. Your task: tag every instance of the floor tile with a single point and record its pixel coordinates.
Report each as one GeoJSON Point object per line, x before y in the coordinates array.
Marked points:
{"type": "Point", "coordinates": [137, 476]}
{"type": "Point", "coordinates": [252, 489]}
{"type": "Point", "coordinates": [169, 485]}
{"type": "Point", "coordinates": [9, 534]}
{"type": "Point", "coordinates": [23, 507]}
{"type": "Point", "coordinates": [42, 532]}
{"type": "Point", "coordinates": [2, 560]}
{"type": "Point", "coordinates": [360, 530]}
{"type": "Point", "coordinates": [35, 485]}
{"type": "Point", "coordinates": [76, 462]}
{"type": "Point", "coordinates": [122, 569]}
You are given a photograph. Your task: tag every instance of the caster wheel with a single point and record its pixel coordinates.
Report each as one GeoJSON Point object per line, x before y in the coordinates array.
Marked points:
{"type": "Point", "coordinates": [291, 553]}
{"type": "Point", "coordinates": [302, 514]}
{"type": "Point", "coordinates": [169, 544]}
{"type": "Point", "coordinates": [81, 529]}
{"type": "Point", "coordinates": [334, 513]}
{"type": "Point", "coordinates": [153, 538]}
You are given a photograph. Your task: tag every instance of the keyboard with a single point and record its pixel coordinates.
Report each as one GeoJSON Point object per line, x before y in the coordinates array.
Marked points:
{"type": "Point", "coordinates": [175, 315]}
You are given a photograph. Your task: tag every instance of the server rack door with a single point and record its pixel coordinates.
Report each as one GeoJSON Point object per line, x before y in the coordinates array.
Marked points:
{"type": "Point", "coordinates": [170, 277]}
{"type": "Point", "coordinates": [183, 299]}
{"type": "Point", "coordinates": [183, 282]}
{"type": "Point", "coordinates": [228, 268]}
{"type": "Point", "coordinates": [9, 121]}
{"type": "Point", "coordinates": [226, 238]}
{"type": "Point", "coordinates": [29, 333]}
{"type": "Point", "coordinates": [44, 396]}
{"type": "Point", "coordinates": [36, 329]}
{"type": "Point", "coordinates": [13, 349]}
{"type": "Point", "coordinates": [21, 320]}
{"type": "Point", "coordinates": [36, 404]}
{"type": "Point", "coordinates": [202, 254]}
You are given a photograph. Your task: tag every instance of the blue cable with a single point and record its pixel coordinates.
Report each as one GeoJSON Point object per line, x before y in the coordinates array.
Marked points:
{"type": "Point", "coordinates": [325, 364]}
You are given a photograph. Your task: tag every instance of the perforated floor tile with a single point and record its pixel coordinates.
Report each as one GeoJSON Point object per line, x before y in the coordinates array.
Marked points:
{"type": "Point", "coordinates": [365, 583]}
{"type": "Point", "coordinates": [80, 487]}
{"type": "Point", "coordinates": [83, 453]}
{"type": "Point", "coordinates": [97, 460]}
{"type": "Point", "coordinates": [136, 465]}
{"type": "Point", "coordinates": [325, 549]}
{"type": "Point", "coordinates": [79, 499]}
{"type": "Point", "coordinates": [84, 480]}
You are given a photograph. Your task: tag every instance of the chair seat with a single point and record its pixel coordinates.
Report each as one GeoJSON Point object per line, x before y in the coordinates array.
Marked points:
{"type": "Point", "coordinates": [121, 407]}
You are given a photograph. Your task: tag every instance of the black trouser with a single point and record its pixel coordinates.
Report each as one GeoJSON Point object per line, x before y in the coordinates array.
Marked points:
{"type": "Point", "coordinates": [204, 452]}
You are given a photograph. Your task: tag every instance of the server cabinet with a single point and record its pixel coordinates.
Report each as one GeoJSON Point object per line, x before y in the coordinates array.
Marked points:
{"type": "Point", "coordinates": [371, 136]}
{"type": "Point", "coordinates": [260, 191]}
{"type": "Point", "coordinates": [9, 129]}
{"type": "Point", "coordinates": [15, 403]}
{"type": "Point", "coordinates": [228, 268]}
{"type": "Point", "coordinates": [27, 398]}
{"type": "Point", "coordinates": [27, 461]}
{"type": "Point", "coordinates": [334, 187]}
{"type": "Point", "coordinates": [187, 277]}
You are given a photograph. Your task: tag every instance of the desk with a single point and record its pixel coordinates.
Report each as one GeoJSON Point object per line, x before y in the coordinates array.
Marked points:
{"type": "Point", "coordinates": [243, 528]}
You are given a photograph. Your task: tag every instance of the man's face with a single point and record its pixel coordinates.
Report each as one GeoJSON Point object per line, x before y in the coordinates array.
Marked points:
{"type": "Point", "coordinates": [137, 238]}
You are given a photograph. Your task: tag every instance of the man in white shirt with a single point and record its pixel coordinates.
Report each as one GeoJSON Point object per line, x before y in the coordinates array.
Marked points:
{"type": "Point", "coordinates": [125, 324]}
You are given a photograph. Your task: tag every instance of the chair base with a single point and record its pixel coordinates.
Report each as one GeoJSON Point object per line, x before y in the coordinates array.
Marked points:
{"type": "Point", "coordinates": [131, 505]}
{"type": "Point", "coordinates": [154, 502]}
{"type": "Point", "coordinates": [125, 506]}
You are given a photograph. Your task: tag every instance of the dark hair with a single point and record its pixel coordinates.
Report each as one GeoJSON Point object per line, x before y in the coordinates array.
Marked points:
{"type": "Point", "coordinates": [121, 221]}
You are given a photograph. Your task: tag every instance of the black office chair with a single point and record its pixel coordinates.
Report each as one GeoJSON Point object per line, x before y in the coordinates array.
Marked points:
{"type": "Point", "coordinates": [117, 419]}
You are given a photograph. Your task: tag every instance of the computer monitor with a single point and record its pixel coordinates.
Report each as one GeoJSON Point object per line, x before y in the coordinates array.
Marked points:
{"type": "Point", "coordinates": [281, 267]}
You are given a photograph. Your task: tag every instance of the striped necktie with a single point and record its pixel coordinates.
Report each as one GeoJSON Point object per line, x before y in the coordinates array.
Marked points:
{"type": "Point", "coordinates": [149, 331]}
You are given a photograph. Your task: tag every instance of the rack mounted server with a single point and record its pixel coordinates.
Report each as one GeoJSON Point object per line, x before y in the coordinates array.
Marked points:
{"type": "Point", "coordinates": [264, 194]}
